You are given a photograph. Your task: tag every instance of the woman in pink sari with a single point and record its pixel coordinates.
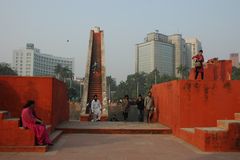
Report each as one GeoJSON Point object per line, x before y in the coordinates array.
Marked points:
{"type": "Point", "coordinates": [30, 120]}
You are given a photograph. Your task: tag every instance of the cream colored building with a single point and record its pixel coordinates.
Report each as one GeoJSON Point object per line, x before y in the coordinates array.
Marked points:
{"type": "Point", "coordinates": [235, 59]}
{"type": "Point", "coordinates": [180, 54]}
{"type": "Point", "coordinates": [196, 46]}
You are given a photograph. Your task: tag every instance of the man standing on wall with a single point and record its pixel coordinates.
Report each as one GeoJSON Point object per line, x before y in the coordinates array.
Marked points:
{"type": "Point", "coordinates": [199, 59]}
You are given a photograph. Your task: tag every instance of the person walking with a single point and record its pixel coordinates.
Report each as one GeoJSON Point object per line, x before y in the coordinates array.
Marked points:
{"type": "Point", "coordinates": [140, 106]}
{"type": "Point", "coordinates": [126, 107]}
{"type": "Point", "coordinates": [199, 59]}
{"type": "Point", "coordinates": [96, 109]}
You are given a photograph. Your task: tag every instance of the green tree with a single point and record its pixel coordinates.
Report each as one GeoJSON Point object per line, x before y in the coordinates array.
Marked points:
{"type": "Point", "coordinates": [140, 83]}
{"type": "Point", "coordinates": [63, 73]}
{"type": "Point", "coordinates": [183, 71]}
{"type": "Point", "coordinates": [166, 78]}
{"type": "Point", "coordinates": [235, 73]}
{"type": "Point", "coordinates": [111, 86]}
{"type": "Point", "coordinates": [112, 82]}
{"type": "Point", "coordinates": [5, 69]}
{"type": "Point", "coordinates": [152, 78]}
{"type": "Point", "coordinates": [66, 75]}
{"type": "Point", "coordinates": [74, 91]}
{"type": "Point", "coordinates": [121, 90]}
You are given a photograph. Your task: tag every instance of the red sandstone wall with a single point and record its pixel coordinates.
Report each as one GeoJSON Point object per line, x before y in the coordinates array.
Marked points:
{"type": "Point", "coordinates": [185, 103]}
{"type": "Point", "coordinates": [219, 70]}
{"type": "Point", "coordinates": [49, 94]}
{"type": "Point", "coordinates": [60, 105]}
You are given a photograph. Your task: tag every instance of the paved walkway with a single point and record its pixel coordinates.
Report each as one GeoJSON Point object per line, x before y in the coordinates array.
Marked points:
{"type": "Point", "coordinates": [120, 147]}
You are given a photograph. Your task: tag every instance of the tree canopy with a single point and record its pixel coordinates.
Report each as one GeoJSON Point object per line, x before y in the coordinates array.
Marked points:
{"type": "Point", "coordinates": [140, 83]}
{"type": "Point", "coordinates": [5, 69]}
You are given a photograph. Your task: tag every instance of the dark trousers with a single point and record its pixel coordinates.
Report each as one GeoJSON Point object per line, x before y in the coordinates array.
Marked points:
{"type": "Point", "coordinates": [140, 115]}
{"type": "Point", "coordinates": [197, 72]}
{"type": "Point", "coordinates": [125, 115]}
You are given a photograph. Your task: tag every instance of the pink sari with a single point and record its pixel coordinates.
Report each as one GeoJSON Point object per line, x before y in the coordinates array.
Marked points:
{"type": "Point", "coordinates": [40, 131]}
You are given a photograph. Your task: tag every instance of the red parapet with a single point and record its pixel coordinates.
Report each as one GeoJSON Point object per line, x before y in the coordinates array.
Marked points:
{"type": "Point", "coordinates": [215, 70]}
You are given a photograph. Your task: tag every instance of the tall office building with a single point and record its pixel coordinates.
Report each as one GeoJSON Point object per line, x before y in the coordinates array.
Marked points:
{"type": "Point", "coordinates": [180, 54]}
{"type": "Point", "coordinates": [31, 62]}
{"type": "Point", "coordinates": [165, 53]}
{"type": "Point", "coordinates": [155, 53]}
{"type": "Point", "coordinates": [196, 46]}
{"type": "Point", "coordinates": [235, 59]}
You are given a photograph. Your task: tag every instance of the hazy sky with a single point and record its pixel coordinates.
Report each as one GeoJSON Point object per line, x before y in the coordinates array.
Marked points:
{"type": "Point", "coordinates": [50, 23]}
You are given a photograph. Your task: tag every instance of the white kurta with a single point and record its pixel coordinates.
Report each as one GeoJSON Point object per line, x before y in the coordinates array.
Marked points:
{"type": "Point", "coordinates": [96, 107]}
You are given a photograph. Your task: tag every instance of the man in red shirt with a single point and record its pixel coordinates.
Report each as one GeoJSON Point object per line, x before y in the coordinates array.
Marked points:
{"type": "Point", "coordinates": [199, 59]}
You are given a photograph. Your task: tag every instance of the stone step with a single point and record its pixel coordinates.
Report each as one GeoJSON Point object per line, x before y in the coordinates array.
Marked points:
{"type": "Point", "coordinates": [190, 130]}
{"type": "Point", "coordinates": [49, 129]}
{"type": "Point", "coordinates": [11, 122]}
{"type": "Point", "coordinates": [211, 129]}
{"type": "Point", "coordinates": [56, 135]}
{"type": "Point", "coordinates": [237, 116]}
{"type": "Point", "coordinates": [225, 123]}
{"type": "Point", "coordinates": [23, 148]}
{"type": "Point", "coordinates": [113, 128]}
{"type": "Point", "coordinates": [4, 115]}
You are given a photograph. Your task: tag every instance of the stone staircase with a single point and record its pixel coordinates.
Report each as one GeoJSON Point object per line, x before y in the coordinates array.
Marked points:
{"type": "Point", "coordinates": [95, 79]}
{"type": "Point", "coordinates": [14, 138]}
{"type": "Point", "coordinates": [223, 138]}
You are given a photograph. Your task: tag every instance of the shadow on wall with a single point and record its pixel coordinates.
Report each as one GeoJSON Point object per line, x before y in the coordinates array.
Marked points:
{"type": "Point", "coordinates": [9, 99]}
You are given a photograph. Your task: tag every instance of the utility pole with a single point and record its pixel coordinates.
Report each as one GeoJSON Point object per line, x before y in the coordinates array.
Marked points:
{"type": "Point", "coordinates": [137, 89]}
{"type": "Point", "coordinates": [155, 75]}
{"type": "Point", "coordinates": [109, 91]}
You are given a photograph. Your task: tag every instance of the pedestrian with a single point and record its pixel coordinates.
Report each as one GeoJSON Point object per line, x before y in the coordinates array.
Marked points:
{"type": "Point", "coordinates": [96, 109]}
{"type": "Point", "coordinates": [140, 106]}
{"type": "Point", "coordinates": [126, 107]}
{"type": "Point", "coordinates": [199, 59]}
{"type": "Point", "coordinates": [149, 106]}
{"type": "Point", "coordinates": [94, 67]}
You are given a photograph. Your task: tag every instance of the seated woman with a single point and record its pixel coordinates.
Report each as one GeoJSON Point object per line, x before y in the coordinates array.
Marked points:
{"type": "Point", "coordinates": [30, 120]}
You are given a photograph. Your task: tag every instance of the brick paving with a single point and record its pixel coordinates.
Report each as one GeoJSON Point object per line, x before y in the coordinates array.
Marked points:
{"type": "Point", "coordinates": [120, 147]}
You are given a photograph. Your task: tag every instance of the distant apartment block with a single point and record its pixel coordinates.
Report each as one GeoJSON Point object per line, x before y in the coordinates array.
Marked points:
{"type": "Point", "coordinates": [235, 59]}
{"type": "Point", "coordinates": [165, 53]}
{"type": "Point", "coordinates": [31, 62]}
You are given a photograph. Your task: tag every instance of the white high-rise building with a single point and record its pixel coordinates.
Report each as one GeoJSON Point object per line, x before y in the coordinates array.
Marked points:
{"type": "Point", "coordinates": [31, 62]}
{"type": "Point", "coordinates": [196, 46]}
{"type": "Point", "coordinates": [155, 53]}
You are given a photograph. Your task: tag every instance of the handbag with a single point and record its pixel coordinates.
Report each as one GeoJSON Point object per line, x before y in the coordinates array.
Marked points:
{"type": "Point", "coordinates": [198, 64]}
